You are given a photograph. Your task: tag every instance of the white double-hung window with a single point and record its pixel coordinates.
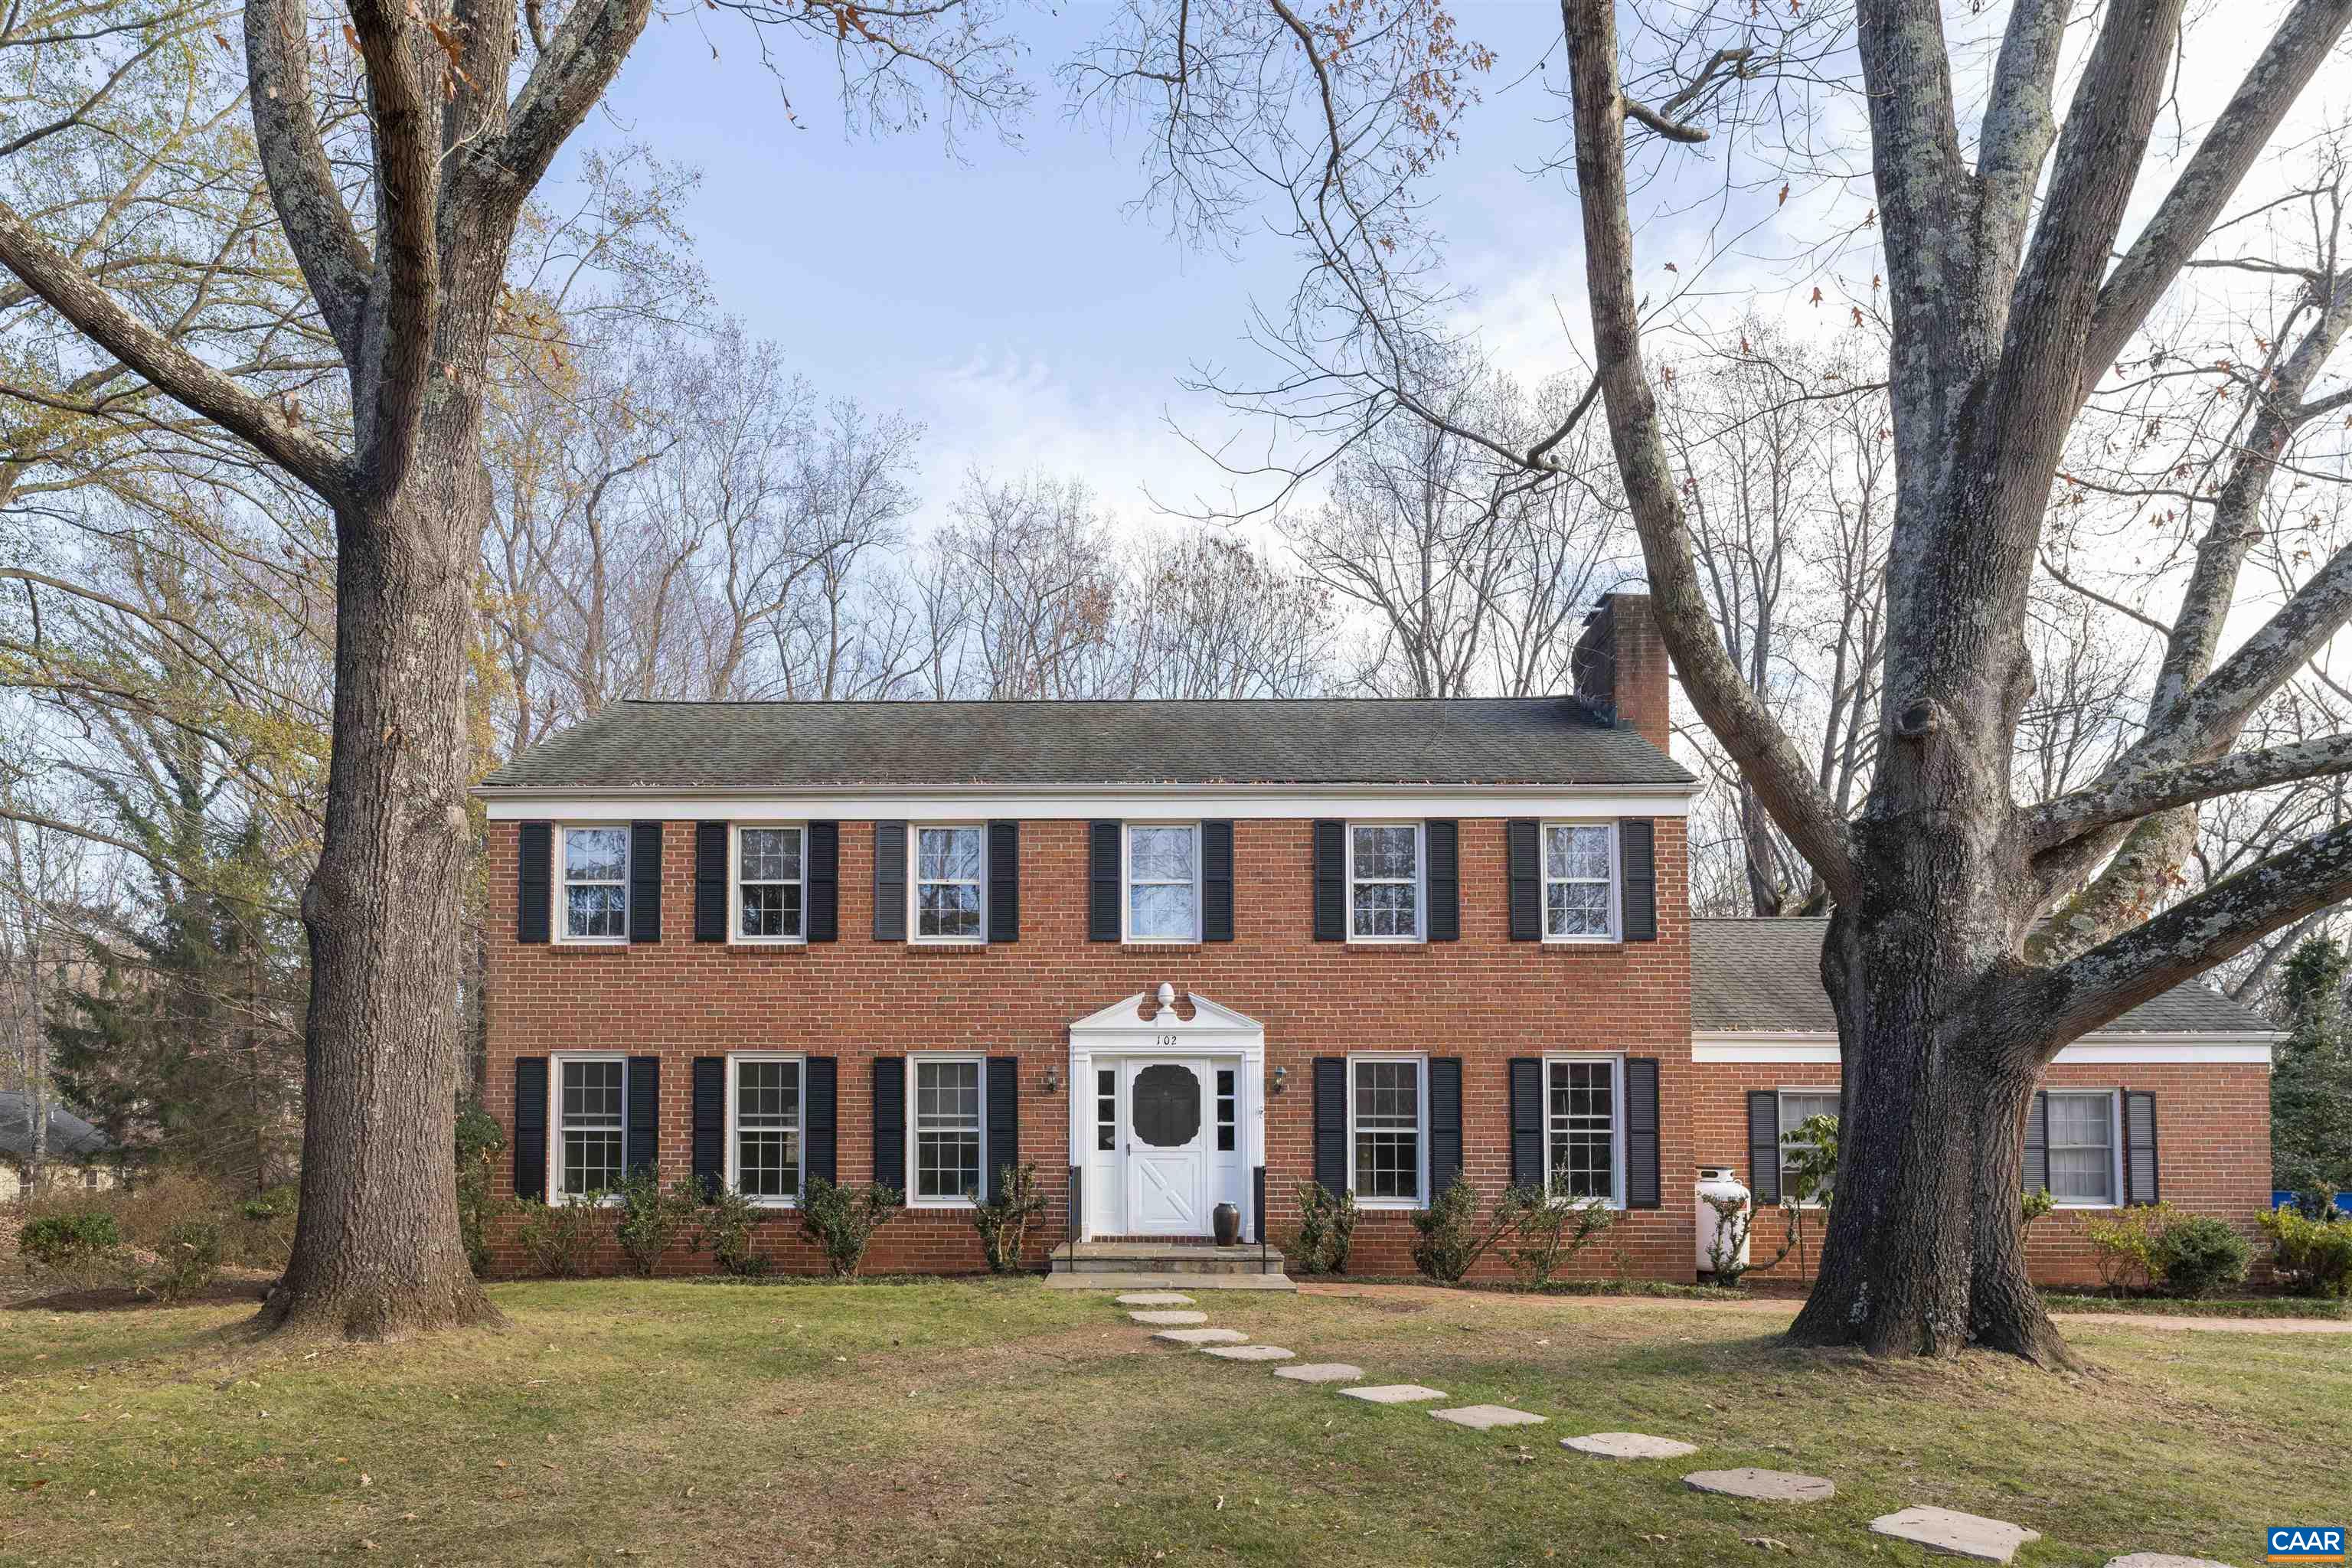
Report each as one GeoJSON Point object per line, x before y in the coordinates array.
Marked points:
{"type": "Point", "coordinates": [1585, 1127]}
{"type": "Point", "coordinates": [763, 1117]}
{"type": "Point", "coordinates": [1388, 1130]}
{"type": "Point", "coordinates": [590, 1132]}
{"type": "Point", "coordinates": [1799, 1106]}
{"type": "Point", "coordinates": [2083, 1170]}
{"type": "Point", "coordinates": [1579, 881]}
{"type": "Point", "coordinates": [949, 887]}
{"type": "Point", "coordinates": [592, 898]}
{"type": "Point", "coordinates": [770, 884]}
{"type": "Point", "coordinates": [1163, 881]}
{"type": "Point", "coordinates": [949, 1149]}
{"type": "Point", "coordinates": [1384, 869]}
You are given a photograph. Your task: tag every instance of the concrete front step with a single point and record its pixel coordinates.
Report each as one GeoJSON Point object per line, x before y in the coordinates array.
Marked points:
{"type": "Point", "coordinates": [1101, 1258]}
{"type": "Point", "coordinates": [1168, 1281]}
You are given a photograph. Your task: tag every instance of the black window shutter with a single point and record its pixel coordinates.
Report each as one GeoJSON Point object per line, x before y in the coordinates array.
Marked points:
{"type": "Point", "coordinates": [1216, 881]}
{"type": "Point", "coordinates": [890, 885]}
{"type": "Point", "coordinates": [1331, 1123]}
{"type": "Point", "coordinates": [1641, 1132]}
{"type": "Point", "coordinates": [1002, 1112]}
{"type": "Point", "coordinates": [709, 1111]}
{"type": "Point", "coordinates": [1637, 856]}
{"type": "Point", "coordinates": [1522, 857]}
{"type": "Point", "coordinates": [1004, 881]}
{"type": "Point", "coordinates": [645, 881]}
{"type": "Point", "coordinates": [1764, 1146]}
{"type": "Point", "coordinates": [642, 1147]}
{"type": "Point", "coordinates": [534, 867]}
{"type": "Point", "coordinates": [1444, 841]}
{"type": "Point", "coordinates": [1444, 1122]}
{"type": "Point", "coordinates": [1102, 881]}
{"type": "Point", "coordinates": [821, 864]}
{"type": "Point", "coordinates": [1527, 1123]}
{"type": "Point", "coordinates": [2139, 1147]}
{"type": "Point", "coordinates": [2037, 1145]}
{"type": "Point", "coordinates": [710, 881]}
{"type": "Point", "coordinates": [890, 1121]}
{"type": "Point", "coordinates": [1257, 1203]}
{"type": "Point", "coordinates": [531, 1125]}
{"type": "Point", "coordinates": [1330, 881]}
{"type": "Point", "coordinates": [820, 1119]}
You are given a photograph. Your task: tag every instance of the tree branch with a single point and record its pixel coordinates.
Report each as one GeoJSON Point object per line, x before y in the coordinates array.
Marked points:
{"type": "Point", "coordinates": [318, 228]}
{"type": "Point", "coordinates": [2069, 816]}
{"type": "Point", "coordinates": [569, 75]}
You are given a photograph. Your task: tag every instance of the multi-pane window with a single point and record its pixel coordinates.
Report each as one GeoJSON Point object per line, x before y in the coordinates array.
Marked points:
{"type": "Point", "coordinates": [768, 886]}
{"type": "Point", "coordinates": [1385, 1107]}
{"type": "Point", "coordinates": [951, 864]}
{"type": "Point", "coordinates": [1162, 883]}
{"type": "Point", "coordinates": [1581, 1125]}
{"type": "Point", "coordinates": [1799, 1106]}
{"type": "Point", "coordinates": [2083, 1147]}
{"type": "Point", "coordinates": [592, 1094]}
{"type": "Point", "coordinates": [1106, 1108]}
{"type": "Point", "coordinates": [1228, 1104]}
{"type": "Point", "coordinates": [595, 886]}
{"type": "Point", "coordinates": [947, 1130]}
{"type": "Point", "coordinates": [768, 1127]}
{"type": "Point", "coordinates": [1579, 901]}
{"type": "Point", "coordinates": [1385, 880]}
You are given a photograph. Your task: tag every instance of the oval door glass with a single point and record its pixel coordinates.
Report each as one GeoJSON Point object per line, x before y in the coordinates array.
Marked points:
{"type": "Point", "coordinates": [1165, 1105]}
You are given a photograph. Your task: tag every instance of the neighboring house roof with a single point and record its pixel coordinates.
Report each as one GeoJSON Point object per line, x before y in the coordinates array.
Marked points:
{"type": "Point", "coordinates": [785, 746]}
{"type": "Point", "coordinates": [71, 1137]}
{"type": "Point", "coordinates": [1765, 976]}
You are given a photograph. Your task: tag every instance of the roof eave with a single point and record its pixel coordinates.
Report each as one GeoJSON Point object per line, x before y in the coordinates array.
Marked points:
{"type": "Point", "coordinates": [1383, 788]}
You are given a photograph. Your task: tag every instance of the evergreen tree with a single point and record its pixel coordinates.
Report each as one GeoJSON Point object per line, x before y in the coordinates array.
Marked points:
{"type": "Point", "coordinates": [2311, 1082]}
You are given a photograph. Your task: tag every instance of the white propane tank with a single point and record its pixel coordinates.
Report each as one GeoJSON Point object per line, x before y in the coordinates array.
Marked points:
{"type": "Point", "coordinates": [1717, 1181]}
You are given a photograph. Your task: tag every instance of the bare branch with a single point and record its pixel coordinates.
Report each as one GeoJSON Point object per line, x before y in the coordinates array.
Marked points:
{"type": "Point", "coordinates": [2141, 794]}
{"type": "Point", "coordinates": [318, 228]}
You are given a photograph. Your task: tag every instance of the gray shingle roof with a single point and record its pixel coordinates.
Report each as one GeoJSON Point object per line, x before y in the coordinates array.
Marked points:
{"type": "Point", "coordinates": [71, 1137]}
{"type": "Point", "coordinates": [819, 745]}
{"type": "Point", "coordinates": [1757, 975]}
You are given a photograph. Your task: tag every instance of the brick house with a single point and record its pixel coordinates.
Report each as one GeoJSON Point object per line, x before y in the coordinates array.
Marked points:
{"type": "Point", "coordinates": [916, 942]}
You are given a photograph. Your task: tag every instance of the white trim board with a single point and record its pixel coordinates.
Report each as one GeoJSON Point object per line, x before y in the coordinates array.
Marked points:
{"type": "Point", "coordinates": [1286, 803]}
{"type": "Point", "coordinates": [2189, 1049]}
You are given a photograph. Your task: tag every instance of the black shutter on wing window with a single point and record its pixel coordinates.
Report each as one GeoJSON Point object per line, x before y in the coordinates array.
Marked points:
{"type": "Point", "coordinates": [642, 1149]}
{"type": "Point", "coordinates": [710, 881]}
{"type": "Point", "coordinates": [531, 1127]}
{"type": "Point", "coordinates": [1523, 862]}
{"type": "Point", "coordinates": [645, 881]}
{"type": "Point", "coordinates": [1331, 1123]}
{"type": "Point", "coordinates": [890, 1121]}
{"type": "Point", "coordinates": [1444, 841]}
{"type": "Point", "coordinates": [1216, 881]}
{"type": "Point", "coordinates": [1004, 881]}
{"type": "Point", "coordinates": [1527, 1123]}
{"type": "Point", "coordinates": [822, 866]}
{"type": "Point", "coordinates": [710, 1122]}
{"type": "Point", "coordinates": [1642, 1184]}
{"type": "Point", "coordinates": [1330, 881]}
{"type": "Point", "coordinates": [1764, 1146]}
{"type": "Point", "coordinates": [2037, 1145]}
{"type": "Point", "coordinates": [890, 881]}
{"type": "Point", "coordinates": [2139, 1147]}
{"type": "Point", "coordinates": [1444, 1122]}
{"type": "Point", "coordinates": [820, 1119]}
{"type": "Point", "coordinates": [534, 872]}
{"type": "Point", "coordinates": [1102, 881]}
{"type": "Point", "coordinates": [1004, 1114]}
{"type": "Point", "coordinates": [1638, 860]}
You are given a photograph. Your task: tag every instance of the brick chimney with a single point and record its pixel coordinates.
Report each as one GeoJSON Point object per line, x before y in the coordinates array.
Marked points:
{"type": "Point", "coordinates": [1620, 667]}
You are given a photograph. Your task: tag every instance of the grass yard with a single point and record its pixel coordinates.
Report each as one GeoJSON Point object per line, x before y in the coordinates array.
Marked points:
{"type": "Point", "coordinates": [1000, 1422]}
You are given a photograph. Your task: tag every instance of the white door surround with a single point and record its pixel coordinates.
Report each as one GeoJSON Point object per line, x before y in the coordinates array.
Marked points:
{"type": "Point", "coordinates": [1145, 1114]}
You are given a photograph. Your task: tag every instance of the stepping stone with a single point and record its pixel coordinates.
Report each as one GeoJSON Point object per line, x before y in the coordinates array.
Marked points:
{"type": "Point", "coordinates": [1394, 1394]}
{"type": "Point", "coordinates": [1201, 1336]}
{"type": "Point", "coordinates": [1628, 1446]}
{"type": "Point", "coordinates": [1248, 1353]}
{"type": "Point", "coordinates": [1155, 1298]}
{"type": "Point", "coordinates": [1322, 1372]}
{"type": "Point", "coordinates": [1486, 1417]}
{"type": "Point", "coordinates": [1764, 1485]}
{"type": "Point", "coordinates": [2161, 1559]}
{"type": "Point", "coordinates": [1956, 1535]}
{"type": "Point", "coordinates": [1169, 1318]}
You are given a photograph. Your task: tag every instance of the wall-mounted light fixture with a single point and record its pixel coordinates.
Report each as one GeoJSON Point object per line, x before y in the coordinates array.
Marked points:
{"type": "Point", "coordinates": [1053, 1081]}
{"type": "Point", "coordinates": [1281, 1076]}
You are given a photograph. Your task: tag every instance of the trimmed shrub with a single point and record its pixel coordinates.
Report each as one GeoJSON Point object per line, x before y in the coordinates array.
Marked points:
{"type": "Point", "coordinates": [1003, 1223]}
{"type": "Point", "coordinates": [1547, 1233]}
{"type": "Point", "coordinates": [2124, 1243]}
{"type": "Point", "coordinates": [561, 1237]}
{"type": "Point", "coordinates": [67, 1243]}
{"type": "Point", "coordinates": [2201, 1255]}
{"type": "Point", "coordinates": [651, 1219]}
{"type": "Point", "coordinates": [2311, 1256]}
{"type": "Point", "coordinates": [1326, 1230]}
{"type": "Point", "coordinates": [187, 1261]}
{"type": "Point", "coordinates": [1449, 1240]}
{"type": "Point", "coordinates": [723, 1224]}
{"type": "Point", "coordinates": [479, 1141]}
{"type": "Point", "coordinates": [842, 1220]}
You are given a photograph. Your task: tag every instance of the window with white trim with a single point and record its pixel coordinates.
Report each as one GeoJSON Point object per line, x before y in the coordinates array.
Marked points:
{"type": "Point", "coordinates": [1388, 1129]}
{"type": "Point", "coordinates": [2082, 1172]}
{"type": "Point", "coordinates": [591, 1131]}
{"type": "Point", "coordinates": [770, 868]}
{"type": "Point", "coordinates": [1585, 1128]}
{"type": "Point", "coordinates": [593, 890]}
{"type": "Point", "coordinates": [1163, 881]}
{"type": "Point", "coordinates": [763, 1126]}
{"type": "Point", "coordinates": [950, 884]}
{"type": "Point", "coordinates": [948, 1149]}
{"type": "Point", "coordinates": [1799, 1106]}
{"type": "Point", "coordinates": [1579, 881]}
{"type": "Point", "coordinates": [1385, 881]}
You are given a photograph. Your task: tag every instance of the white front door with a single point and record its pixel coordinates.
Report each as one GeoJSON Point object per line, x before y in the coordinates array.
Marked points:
{"type": "Point", "coordinates": [1169, 1125]}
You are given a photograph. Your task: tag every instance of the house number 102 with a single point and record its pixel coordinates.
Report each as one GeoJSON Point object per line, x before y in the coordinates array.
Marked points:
{"type": "Point", "coordinates": [1167, 1042]}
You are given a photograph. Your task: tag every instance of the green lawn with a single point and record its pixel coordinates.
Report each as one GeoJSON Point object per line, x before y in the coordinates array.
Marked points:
{"type": "Point", "coordinates": [1003, 1423]}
